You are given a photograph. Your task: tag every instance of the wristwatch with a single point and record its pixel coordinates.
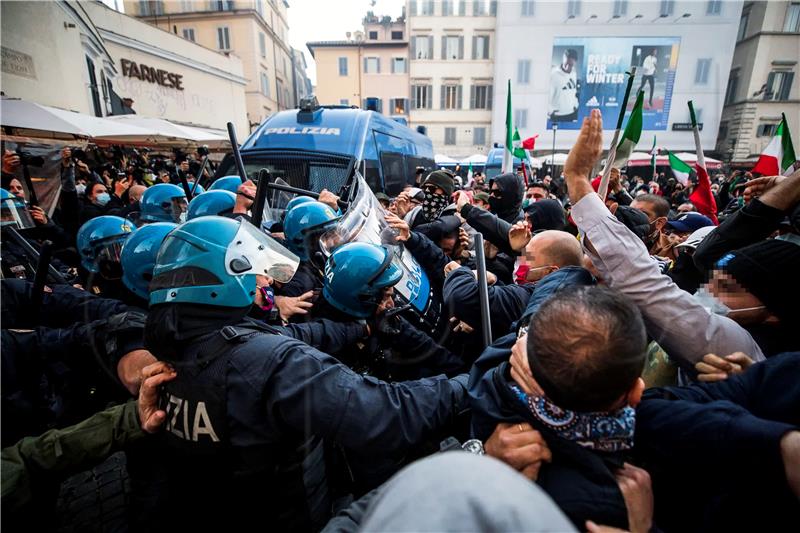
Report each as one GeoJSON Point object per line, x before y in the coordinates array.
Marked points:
{"type": "Point", "coordinates": [474, 446]}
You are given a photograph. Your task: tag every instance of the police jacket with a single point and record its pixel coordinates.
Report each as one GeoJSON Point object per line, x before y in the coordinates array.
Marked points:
{"type": "Point", "coordinates": [307, 278]}
{"type": "Point", "coordinates": [247, 414]}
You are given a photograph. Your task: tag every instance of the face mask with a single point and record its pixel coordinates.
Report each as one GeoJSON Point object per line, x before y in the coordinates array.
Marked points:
{"type": "Point", "coordinates": [521, 274]}
{"type": "Point", "coordinates": [80, 189]}
{"type": "Point", "coordinates": [433, 205]}
{"type": "Point", "coordinates": [182, 217]}
{"type": "Point", "coordinates": [713, 305]}
{"type": "Point", "coordinates": [102, 199]}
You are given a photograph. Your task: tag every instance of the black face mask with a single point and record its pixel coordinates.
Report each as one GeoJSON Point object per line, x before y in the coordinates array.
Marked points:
{"type": "Point", "coordinates": [496, 204]}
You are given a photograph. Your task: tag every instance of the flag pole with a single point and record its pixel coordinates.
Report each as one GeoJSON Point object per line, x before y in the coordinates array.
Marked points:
{"type": "Point", "coordinates": [701, 159]}
{"type": "Point", "coordinates": [508, 154]}
{"type": "Point", "coordinates": [653, 154]}
{"type": "Point", "coordinates": [603, 190]}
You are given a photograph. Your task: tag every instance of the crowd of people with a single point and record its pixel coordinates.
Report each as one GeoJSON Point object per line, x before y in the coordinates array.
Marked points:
{"type": "Point", "coordinates": [642, 371]}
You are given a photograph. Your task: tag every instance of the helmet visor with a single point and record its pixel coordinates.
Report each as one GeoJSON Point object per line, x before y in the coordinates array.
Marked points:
{"type": "Point", "coordinates": [13, 212]}
{"type": "Point", "coordinates": [178, 209]}
{"type": "Point", "coordinates": [253, 252]}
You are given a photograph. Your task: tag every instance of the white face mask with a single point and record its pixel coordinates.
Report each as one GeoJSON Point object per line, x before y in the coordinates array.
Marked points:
{"type": "Point", "coordinates": [713, 305]}
{"type": "Point", "coordinates": [80, 189]}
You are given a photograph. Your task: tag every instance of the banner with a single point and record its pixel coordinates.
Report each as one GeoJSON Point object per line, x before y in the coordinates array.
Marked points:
{"type": "Point", "coordinates": [589, 72]}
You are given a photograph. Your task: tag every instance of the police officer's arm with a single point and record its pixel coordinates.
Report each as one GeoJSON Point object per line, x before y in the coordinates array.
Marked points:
{"type": "Point", "coordinates": [326, 335]}
{"type": "Point", "coordinates": [308, 389]}
{"type": "Point", "coordinates": [493, 228]}
{"type": "Point", "coordinates": [430, 257]}
{"type": "Point", "coordinates": [414, 344]}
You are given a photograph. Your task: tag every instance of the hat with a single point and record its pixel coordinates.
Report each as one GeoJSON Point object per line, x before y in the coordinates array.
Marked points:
{"type": "Point", "coordinates": [442, 179]}
{"type": "Point", "coordinates": [482, 196]}
{"type": "Point", "coordinates": [768, 270]}
{"type": "Point", "coordinates": [697, 236]}
{"type": "Point", "coordinates": [688, 222]}
{"type": "Point", "coordinates": [545, 214]}
{"type": "Point", "coordinates": [415, 193]}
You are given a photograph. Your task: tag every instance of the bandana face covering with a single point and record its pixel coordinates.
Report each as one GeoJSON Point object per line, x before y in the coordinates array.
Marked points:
{"type": "Point", "coordinates": [433, 205]}
{"type": "Point", "coordinates": [600, 431]}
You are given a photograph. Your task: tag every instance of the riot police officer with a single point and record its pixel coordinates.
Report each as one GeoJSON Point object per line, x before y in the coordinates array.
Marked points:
{"type": "Point", "coordinates": [250, 410]}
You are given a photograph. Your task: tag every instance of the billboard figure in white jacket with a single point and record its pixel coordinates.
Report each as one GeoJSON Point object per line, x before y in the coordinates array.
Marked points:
{"type": "Point", "coordinates": [562, 105]}
{"type": "Point", "coordinates": [649, 74]}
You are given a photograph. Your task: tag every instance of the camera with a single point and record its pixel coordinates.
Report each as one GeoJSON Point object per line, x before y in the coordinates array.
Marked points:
{"type": "Point", "coordinates": [202, 150]}
{"type": "Point", "coordinates": [26, 158]}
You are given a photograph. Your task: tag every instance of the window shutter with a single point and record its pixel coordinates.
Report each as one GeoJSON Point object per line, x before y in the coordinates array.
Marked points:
{"type": "Point", "coordinates": [461, 47]}
{"type": "Point", "coordinates": [474, 47]}
{"type": "Point", "coordinates": [412, 8]}
{"type": "Point", "coordinates": [462, 7]}
{"type": "Point", "coordinates": [493, 8]}
{"type": "Point", "coordinates": [413, 97]}
{"type": "Point", "coordinates": [429, 97]}
{"type": "Point", "coordinates": [442, 93]}
{"type": "Point", "coordinates": [476, 6]}
{"type": "Point", "coordinates": [444, 47]}
{"type": "Point", "coordinates": [786, 86]}
{"type": "Point", "coordinates": [413, 45]}
{"type": "Point", "coordinates": [391, 106]}
{"type": "Point", "coordinates": [379, 107]}
{"type": "Point", "coordinates": [769, 94]}
{"type": "Point", "coordinates": [472, 97]}
{"type": "Point", "coordinates": [489, 91]}
{"type": "Point", "coordinates": [378, 65]}
{"type": "Point", "coordinates": [363, 103]}
{"type": "Point", "coordinates": [486, 47]}
{"type": "Point", "coordinates": [365, 65]}
{"type": "Point", "coordinates": [430, 47]}
{"type": "Point", "coordinates": [458, 97]}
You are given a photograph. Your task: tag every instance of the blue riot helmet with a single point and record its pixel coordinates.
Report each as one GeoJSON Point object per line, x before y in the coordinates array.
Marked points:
{"type": "Point", "coordinates": [100, 243]}
{"type": "Point", "coordinates": [139, 256]}
{"type": "Point", "coordinates": [297, 200]}
{"type": "Point", "coordinates": [356, 275]}
{"type": "Point", "coordinates": [14, 212]}
{"type": "Point", "coordinates": [226, 183]}
{"type": "Point", "coordinates": [216, 202]}
{"type": "Point", "coordinates": [304, 224]}
{"type": "Point", "coordinates": [163, 202]}
{"type": "Point", "coordinates": [214, 261]}
{"type": "Point", "coordinates": [198, 189]}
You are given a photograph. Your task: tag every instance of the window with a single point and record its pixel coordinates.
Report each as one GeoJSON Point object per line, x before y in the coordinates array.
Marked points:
{"type": "Point", "coordinates": [480, 47]}
{"type": "Point", "coordinates": [147, 8]}
{"type": "Point", "coordinates": [524, 71]}
{"type": "Point", "coordinates": [573, 8]}
{"type": "Point", "coordinates": [452, 47]}
{"type": "Point", "coordinates": [344, 101]}
{"type": "Point", "coordinates": [188, 34]}
{"type": "Point", "coordinates": [223, 38]}
{"type": "Point", "coordinates": [342, 66]}
{"type": "Point", "coordinates": [462, 7]}
{"type": "Point", "coordinates": [620, 8]}
{"type": "Point", "coordinates": [186, 6]}
{"type": "Point", "coordinates": [262, 44]}
{"type": "Point", "coordinates": [520, 118]}
{"type": "Point", "coordinates": [447, 8]}
{"type": "Point", "coordinates": [479, 136]}
{"type": "Point", "coordinates": [221, 5]}
{"type": "Point", "coordinates": [449, 136]}
{"type": "Point", "coordinates": [667, 8]}
{"type": "Point", "coordinates": [766, 130]}
{"type": "Point", "coordinates": [792, 21]}
{"type": "Point", "coordinates": [373, 35]}
{"type": "Point", "coordinates": [264, 84]}
{"type": "Point", "coordinates": [479, 8]}
{"type": "Point", "coordinates": [397, 35]}
{"type": "Point", "coordinates": [95, 92]}
{"type": "Point", "coordinates": [421, 97]}
{"type": "Point", "coordinates": [527, 10]}
{"type": "Point", "coordinates": [733, 85]}
{"type": "Point", "coordinates": [701, 72]}
{"type": "Point", "coordinates": [450, 97]}
{"type": "Point", "coordinates": [260, 8]}
{"type": "Point", "coordinates": [779, 85]}
{"type": "Point", "coordinates": [743, 26]}
{"type": "Point", "coordinates": [398, 106]}
{"type": "Point", "coordinates": [480, 97]}
{"type": "Point", "coordinates": [412, 8]}
{"type": "Point", "coordinates": [398, 65]}
{"type": "Point", "coordinates": [422, 47]}
{"type": "Point", "coordinates": [372, 65]}
{"type": "Point", "coordinates": [373, 104]}
{"type": "Point", "coordinates": [427, 7]}
{"type": "Point", "coordinates": [714, 7]}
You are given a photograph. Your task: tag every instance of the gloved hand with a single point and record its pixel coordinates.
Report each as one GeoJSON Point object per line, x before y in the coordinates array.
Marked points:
{"type": "Point", "coordinates": [387, 323]}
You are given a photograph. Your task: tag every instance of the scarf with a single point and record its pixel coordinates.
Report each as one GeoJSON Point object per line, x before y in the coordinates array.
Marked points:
{"type": "Point", "coordinates": [433, 205]}
{"type": "Point", "coordinates": [599, 431]}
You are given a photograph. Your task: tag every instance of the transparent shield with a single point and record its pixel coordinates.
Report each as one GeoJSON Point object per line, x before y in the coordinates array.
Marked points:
{"type": "Point", "coordinates": [15, 213]}
{"type": "Point", "coordinates": [276, 202]}
{"type": "Point", "coordinates": [253, 252]}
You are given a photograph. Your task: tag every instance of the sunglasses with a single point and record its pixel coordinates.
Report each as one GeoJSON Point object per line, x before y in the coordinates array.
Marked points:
{"type": "Point", "coordinates": [497, 193]}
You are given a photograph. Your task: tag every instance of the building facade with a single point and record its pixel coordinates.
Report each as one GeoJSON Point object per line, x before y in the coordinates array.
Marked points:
{"type": "Point", "coordinates": [682, 51]}
{"type": "Point", "coordinates": [763, 82]}
{"type": "Point", "coordinates": [94, 56]}
{"type": "Point", "coordinates": [452, 51]}
{"type": "Point", "coordinates": [369, 69]}
{"type": "Point", "coordinates": [302, 85]}
{"type": "Point", "coordinates": [256, 31]}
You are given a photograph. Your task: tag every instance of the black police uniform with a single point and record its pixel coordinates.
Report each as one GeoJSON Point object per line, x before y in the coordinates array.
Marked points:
{"type": "Point", "coordinates": [246, 419]}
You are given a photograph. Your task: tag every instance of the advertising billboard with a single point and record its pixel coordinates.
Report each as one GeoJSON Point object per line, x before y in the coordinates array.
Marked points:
{"type": "Point", "coordinates": [589, 72]}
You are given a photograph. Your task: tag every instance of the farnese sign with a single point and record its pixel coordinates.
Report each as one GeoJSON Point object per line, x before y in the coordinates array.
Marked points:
{"type": "Point", "coordinates": [152, 75]}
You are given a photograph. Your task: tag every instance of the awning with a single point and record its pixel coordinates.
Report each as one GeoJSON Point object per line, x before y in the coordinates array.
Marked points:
{"type": "Point", "coordinates": [475, 159]}
{"type": "Point", "coordinates": [642, 159]}
{"type": "Point", "coordinates": [34, 117]}
{"type": "Point", "coordinates": [559, 159]}
{"type": "Point", "coordinates": [165, 128]}
{"type": "Point", "coordinates": [442, 159]}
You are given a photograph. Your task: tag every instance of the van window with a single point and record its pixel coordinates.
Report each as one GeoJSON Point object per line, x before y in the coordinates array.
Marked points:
{"type": "Point", "coordinates": [394, 177]}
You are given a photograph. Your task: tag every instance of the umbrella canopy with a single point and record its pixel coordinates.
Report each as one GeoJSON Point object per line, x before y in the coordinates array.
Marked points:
{"type": "Point", "coordinates": [442, 159]}
{"type": "Point", "coordinates": [559, 159]}
{"type": "Point", "coordinates": [177, 133]}
{"type": "Point", "coordinates": [475, 159]}
{"type": "Point", "coordinates": [30, 116]}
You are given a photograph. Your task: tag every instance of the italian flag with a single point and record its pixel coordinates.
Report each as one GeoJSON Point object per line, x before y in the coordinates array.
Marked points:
{"type": "Point", "coordinates": [779, 157]}
{"type": "Point", "coordinates": [518, 151]}
{"type": "Point", "coordinates": [631, 135]}
{"type": "Point", "coordinates": [679, 169]}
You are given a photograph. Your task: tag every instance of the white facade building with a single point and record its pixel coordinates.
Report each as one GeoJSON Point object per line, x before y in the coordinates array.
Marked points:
{"type": "Point", "coordinates": [451, 58]}
{"type": "Point", "coordinates": [686, 46]}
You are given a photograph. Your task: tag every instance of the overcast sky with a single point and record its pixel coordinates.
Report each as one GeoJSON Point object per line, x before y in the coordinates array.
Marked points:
{"type": "Point", "coordinates": [329, 20]}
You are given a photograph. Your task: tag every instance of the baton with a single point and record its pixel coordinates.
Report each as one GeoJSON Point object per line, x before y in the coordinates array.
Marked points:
{"type": "Point", "coordinates": [237, 155]}
{"type": "Point", "coordinates": [483, 291]}
{"type": "Point", "coordinates": [301, 192]}
{"type": "Point", "coordinates": [31, 252]}
{"type": "Point", "coordinates": [199, 174]}
{"type": "Point", "coordinates": [26, 175]}
{"type": "Point", "coordinates": [261, 195]}
{"type": "Point", "coordinates": [186, 190]}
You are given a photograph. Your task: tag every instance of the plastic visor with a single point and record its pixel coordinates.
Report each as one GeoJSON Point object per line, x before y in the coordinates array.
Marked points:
{"type": "Point", "coordinates": [14, 213]}
{"type": "Point", "coordinates": [178, 209]}
{"type": "Point", "coordinates": [253, 252]}
{"type": "Point", "coordinates": [364, 222]}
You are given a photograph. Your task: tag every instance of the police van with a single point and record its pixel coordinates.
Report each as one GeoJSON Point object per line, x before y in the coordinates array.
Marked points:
{"type": "Point", "coordinates": [494, 162]}
{"type": "Point", "coordinates": [318, 147]}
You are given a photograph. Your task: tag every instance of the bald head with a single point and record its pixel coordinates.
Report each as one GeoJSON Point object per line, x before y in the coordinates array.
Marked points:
{"type": "Point", "coordinates": [550, 250]}
{"type": "Point", "coordinates": [135, 192]}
